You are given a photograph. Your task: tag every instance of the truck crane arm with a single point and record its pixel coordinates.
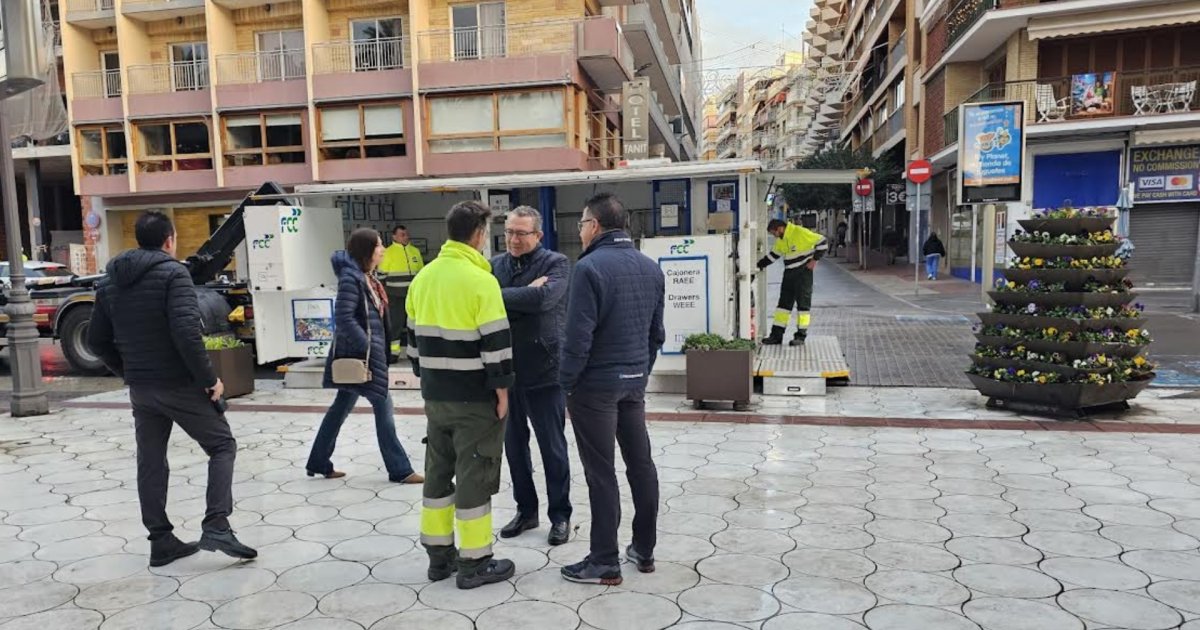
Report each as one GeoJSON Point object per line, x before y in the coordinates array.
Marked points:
{"type": "Point", "coordinates": [214, 255]}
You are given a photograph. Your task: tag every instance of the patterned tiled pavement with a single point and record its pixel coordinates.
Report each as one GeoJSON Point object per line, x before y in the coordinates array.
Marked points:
{"type": "Point", "coordinates": [771, 527]}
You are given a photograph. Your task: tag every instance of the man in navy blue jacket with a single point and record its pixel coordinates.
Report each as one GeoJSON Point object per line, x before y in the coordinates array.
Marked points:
{"type": "Point", "coordinates": [533, 281]}
{"type": "Point", "coordinates": [614, 332]}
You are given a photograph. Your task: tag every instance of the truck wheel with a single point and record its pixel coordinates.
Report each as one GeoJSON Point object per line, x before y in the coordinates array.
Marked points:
{"type": "Point", "coordinates": [73, 332]}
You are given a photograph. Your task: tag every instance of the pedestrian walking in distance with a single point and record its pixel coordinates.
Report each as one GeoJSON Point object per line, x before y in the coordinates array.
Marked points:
{"type": "Point", "coordinates": [800, 248]}
{"type": "Point", "coordinates": [461, 348]}
{"type": "Point", "coordinates": [146, 328]}
{"type": "Point", "coordinates": [361, 332]}
{"type": "Point", "coordinates": [533, 281]}
{"type": "Point", "coordinates": [933, 251]}
{"type": "Point", "coordinates": [401, 262]}
{"type": "Point", "coordinates": [614, 333]}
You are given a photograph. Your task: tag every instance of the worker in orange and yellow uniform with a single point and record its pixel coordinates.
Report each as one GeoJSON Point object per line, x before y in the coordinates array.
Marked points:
{"type": "Point", "coordinates": [800, 248]}
{"type": "Point", "coordinates": [400, 264]}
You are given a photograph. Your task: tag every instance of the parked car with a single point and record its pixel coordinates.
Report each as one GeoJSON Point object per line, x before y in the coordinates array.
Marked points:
{"type": "Point", "coordinates": [38, 274]}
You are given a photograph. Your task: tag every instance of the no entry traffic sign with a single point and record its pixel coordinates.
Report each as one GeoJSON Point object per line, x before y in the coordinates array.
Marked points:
{"type": "Point", "coordinates": [919, 171]}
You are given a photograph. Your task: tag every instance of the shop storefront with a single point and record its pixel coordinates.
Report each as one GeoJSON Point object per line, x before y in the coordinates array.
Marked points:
{"type": "Point", "coordinates": [1165, 221]}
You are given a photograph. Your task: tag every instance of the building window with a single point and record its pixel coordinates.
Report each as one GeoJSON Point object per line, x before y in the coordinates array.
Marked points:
{"type": "Point", "coordinates": [363, 131]}
{"type": "Point", "coordinates": [899, 100]}
{"type": "Point", "coordinates": [378, 44]}
{"type": "Point", "coordinates": [173, 146]}
{"type": "Point", "coordinates": [189, 66]}
{"type": "Point", "coordinates": [478, 30]}
{"type": "Point", "coordinates": [503, 121]}
{"type": "Point", "coordinates": [280, 55]}
{"type": "Point", "coordinates": [264, 139]}
{"type": "Point", "coordinates": [102, 150]}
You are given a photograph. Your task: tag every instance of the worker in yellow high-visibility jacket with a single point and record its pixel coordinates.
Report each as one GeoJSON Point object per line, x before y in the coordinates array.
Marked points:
{"type": "Point", "coordinates": [800, 248]}
{"type": "Point", "coordinates": [461, 348]}
{"type": "Point", "coordinates": [400, 264]}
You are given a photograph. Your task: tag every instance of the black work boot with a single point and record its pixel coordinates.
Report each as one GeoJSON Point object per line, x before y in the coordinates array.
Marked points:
{"type": "Point", "coordinates": [589, 572]}
{"type": "Point", "coordinates": [775, 338]}
{"type": "Point", "coordinates": [226, 543]}
{"type": "Point", "coordinates": [560, 533]}
{"type": "Point", "coordinates": [442, 568]}
{"type": "Point", "coordinates": [168, 549]}
{"type": "Point", "coordinates": [489, 572]}
{"type": "Point", "coordinates": [643, 564]}
{"type": "Point", "coordinates": [799, 339]}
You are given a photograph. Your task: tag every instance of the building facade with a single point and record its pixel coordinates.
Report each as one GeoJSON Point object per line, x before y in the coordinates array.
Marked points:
{"type": "Point", "coordinates": [186, 105]}
{"type": "Point", "coordinates": [829, 80]}
{"type": "Point", "coordinates": [1109, 93]}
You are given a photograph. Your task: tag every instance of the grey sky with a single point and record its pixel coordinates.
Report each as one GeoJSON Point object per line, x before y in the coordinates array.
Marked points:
{"type": "Point", "coordinates": [738, 33]}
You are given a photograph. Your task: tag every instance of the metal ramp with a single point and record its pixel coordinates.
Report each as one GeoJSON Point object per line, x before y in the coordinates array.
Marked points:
{"type": "Point", "coordinates": [802, 370]}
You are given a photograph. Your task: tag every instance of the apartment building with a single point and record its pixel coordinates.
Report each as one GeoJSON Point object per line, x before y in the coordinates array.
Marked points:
{"type": "Point", "coordinates": [1109, 93]}
{"type": "Point", "coordinates": [708, 149]}
{"type": "Point", "coordinates": [828, 80]}
{"type": "Point", "coordinates": [757, 115]}
{"type": "Point", "coordinates": [185, 105]}
{"type": "Point", "coordinates": [876, 53]}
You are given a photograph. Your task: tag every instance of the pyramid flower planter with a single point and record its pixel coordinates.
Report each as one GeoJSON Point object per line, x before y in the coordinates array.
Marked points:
{"type": "Point", "coordinates": [1064, 336]}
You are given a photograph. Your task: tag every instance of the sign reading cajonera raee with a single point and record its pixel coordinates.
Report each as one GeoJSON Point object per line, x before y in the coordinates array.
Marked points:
{"type": "Point", "coordinates": [1165, 174]}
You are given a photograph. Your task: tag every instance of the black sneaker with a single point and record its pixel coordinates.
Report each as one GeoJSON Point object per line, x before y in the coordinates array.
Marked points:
{"type": "Point", "coordinates": [588, 572]}
{"type": "Point", "coordinates": [226, 543]}
{"type": "Point", "coordinates": [168, 549]}
{"type": "Point", "coordinates": [643, 564]}
{"type": "Point", "coordinates": [490, 573]}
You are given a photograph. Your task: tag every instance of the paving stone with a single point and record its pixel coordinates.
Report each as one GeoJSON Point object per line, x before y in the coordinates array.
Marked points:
{"type": "Point", "coordinates": [974, 504]}
{"type": "Point", "coordinates": [829, 563]}
{"type": "Point", "coordinates": [1179, 565]}
{"type": "Point", "coordinates": [984, 525]}
{"type": "Point", "coordinates": [1039, 500]}
{"type": "Point", "coordinates": [1179, 594]}
{"type": "Point", "coordinates": [911, 556]}
{"type": "Point", "coordinates": [838, 495]}
{"type": "Point", "coordinates": [762, 519]}
{"type": "Point", "coordinates": [702, 504]}
{"type": "Point", "coordinates": [1007, 581]}
{"type": "Point", "coordinates": [1167, 489]}
{"type": "Point", "coordinates": [907, 531]}
{"type": "Point", "coordinates": [1128, 515]}
{"type": "Point", "coordinates": [548, 585]}
{"type": "Point", "coordinates": [824, 595]}
{"type": "Point", "coordinates": [998, 613]}
{"type": "Point", "coordinates": [805, 621]}
{"type": "Point", "coordinates": [1118, 609]}
{"type": "Point", "coordinates": [1091, 573]}
{"type": "Point", "coordinates": [528, 615]}
{"type": "Point", "coordinates": [975, 487]}
{"type": "Point", "coordinates": [1030, 482]}
{"type": "Point", "coordinates": [743, 570]}
{"type": "Point", "coordinates": [691, 524]}
{"type": "Point", "coordinates": [993, 550]}
{"type": "Point", "coordinates": [639, 611]}
{"type": "Point", "coordinates": [1073, 544]}
{"type": "Point", "coordinates": [73, 618]}
{"type": "Point", "coordinates": [1132, 537]}
{"type": "Point", "coordinates": [1056, 521]}
{"type": "Point", "coordinates": [770, 499]}
{"type": "Point", "coordinates": [926, 510]}
{"type": "Point", "coordinates": [832, 536]}
{"type": "Point", "coordinates": [368, 602]}
{"type": "Point", "coordinates": [668, 577]}
{"type": "Point", "coordinates": [676, 548]}
{"type": "Point", "coordinates": [900, 490]}
{"type": "Point", "coordinates": [25, 571]}
{"type": "Point", "coordinates": [125, 593]}
{"type": "Point", "coordinates": [907, 617]}
{"type": "Point", "coordinates": [80, 548]}
{"type": "Point", "coordinates": [33, 597]}
{"type": "Point", "coordinates": [753, 541]}
{"type": "Point", "coordinates": [1180, 508]}
{"type": "Point", "coordinates": [371, 548]}
{"type": "Point", "coordinates": [923, 589]}
{"type": "Point", "coordinates": [1107, 494]}
{"type": "Point", "coordinates": [164, 615]}
{"type": "Point", "coordinates": [832, 514]}
{"type": "Point", "coordinates": [445, 595]}
{"type": "Point", "coordinates": [424, 620]}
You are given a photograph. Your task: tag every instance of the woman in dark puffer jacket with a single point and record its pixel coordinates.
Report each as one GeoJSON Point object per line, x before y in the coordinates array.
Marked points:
{"type": "Point", "coordinates": [360, 323]}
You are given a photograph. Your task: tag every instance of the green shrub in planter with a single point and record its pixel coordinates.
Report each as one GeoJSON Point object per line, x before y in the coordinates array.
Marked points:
{"type": "Point", "coordinates": [233, 361]}
{"type": "Point", "coordinates": [719, 369]}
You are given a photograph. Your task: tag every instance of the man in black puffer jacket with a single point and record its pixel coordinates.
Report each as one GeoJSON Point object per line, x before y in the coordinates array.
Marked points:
{"type": "Point", "coordinates": [146, 328]}
{"type": "Point", "coordinates": [614, 332]}
{"type": "Point", "coordinates": [533, 281]}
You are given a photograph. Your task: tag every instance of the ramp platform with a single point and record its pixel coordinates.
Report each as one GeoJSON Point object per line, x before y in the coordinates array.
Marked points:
{"type": "Point", "coordinates": [802, 370]}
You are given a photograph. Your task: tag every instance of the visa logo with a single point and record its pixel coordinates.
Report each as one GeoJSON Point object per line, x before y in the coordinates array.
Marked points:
{"type": "Point", "coordinates": [1152, 183]}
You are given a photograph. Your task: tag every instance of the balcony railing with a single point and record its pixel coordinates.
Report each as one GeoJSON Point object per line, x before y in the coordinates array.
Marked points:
{"type": "Point", "coordinates": [89, 6]}
{"type": "Point", "coordinates": [1134, 93]}
{"type": "Point", "coordinates": [161, 78]}
{"type": "Point", "coordinates": [490, 42]}
{"type": "Point", "coordinates": [96, 84]}
{"type": "Point", "coordinates": [893, 125]}
{"type": "Point", "coordinates": [387, 53]}
{"type": "Point", "coordinates": [898, 55]}
{"type": "Point", "coordinates": [966, 13]}
{"type": "Point", "coordinates": [950, 127]}
{"type": "Point", "coordinates": [260, 67]}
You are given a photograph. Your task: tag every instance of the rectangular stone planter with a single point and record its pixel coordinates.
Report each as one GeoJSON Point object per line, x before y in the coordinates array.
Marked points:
{"type": "Point", "coordinates": [235, 368]}
{"type": "Point", "coordinates": [720, 375]}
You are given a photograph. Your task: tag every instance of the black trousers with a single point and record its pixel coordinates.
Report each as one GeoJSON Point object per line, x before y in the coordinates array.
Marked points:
{"type": "Point", "coordinates": [155, 411]}
{"type": "Point", "coordinates": [397, 316]}
{"type": "Point", "coordinates": [544, 408]}
{"type": "Point", "coordinates": [794, 292]}
{"type": "Point", "coordinates": [601, 418]}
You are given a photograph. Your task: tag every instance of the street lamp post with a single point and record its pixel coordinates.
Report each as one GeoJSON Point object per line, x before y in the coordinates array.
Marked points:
{"type": "Point", "coordinates": [23, 61]}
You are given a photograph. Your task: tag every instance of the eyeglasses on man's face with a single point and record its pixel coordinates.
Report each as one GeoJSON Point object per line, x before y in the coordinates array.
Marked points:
{"type": "Point", "coordinates": [518, 233]}
{"type": "Point", "coordinates": [585, 222]}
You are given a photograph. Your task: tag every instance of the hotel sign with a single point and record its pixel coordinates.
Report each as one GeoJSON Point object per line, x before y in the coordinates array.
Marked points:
{"type": "Point", "coordinates": [635, 119]}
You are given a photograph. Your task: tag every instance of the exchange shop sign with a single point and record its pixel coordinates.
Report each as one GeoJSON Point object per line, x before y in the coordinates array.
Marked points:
{"type": "Point", "coordinates": [1162, 174]}
{"type": "Point", "coordinates": [991, 151]}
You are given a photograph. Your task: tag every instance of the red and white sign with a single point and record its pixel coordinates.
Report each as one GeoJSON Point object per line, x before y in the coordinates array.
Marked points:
{"type": "Point", "coordinates": [864, 188]}
{"type": "Point", "coordinates": [919, 171]}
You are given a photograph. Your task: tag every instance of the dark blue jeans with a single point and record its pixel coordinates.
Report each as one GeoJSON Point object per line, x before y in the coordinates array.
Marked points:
{"type": "Point", "coordinates": [394, 457]}
{"type": "Point", "coordinates": [545, 409]}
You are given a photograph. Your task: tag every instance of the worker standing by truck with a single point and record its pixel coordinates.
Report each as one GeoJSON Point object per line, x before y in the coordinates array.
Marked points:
{"type": "Point", "coordinates": [800, 249]}
{"type": "Point", "coordinates": [461, 348]}
{"type": "Point", "coordinates": [400, 264]}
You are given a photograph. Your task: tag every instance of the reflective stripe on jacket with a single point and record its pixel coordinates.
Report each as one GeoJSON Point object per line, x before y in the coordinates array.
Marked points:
{"type": "Point", "coordinates": [400, 263]}
{"type": "Point", "coordinates": [458, 335]}
{"type": "Point", "coordinates": [798, 246]}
